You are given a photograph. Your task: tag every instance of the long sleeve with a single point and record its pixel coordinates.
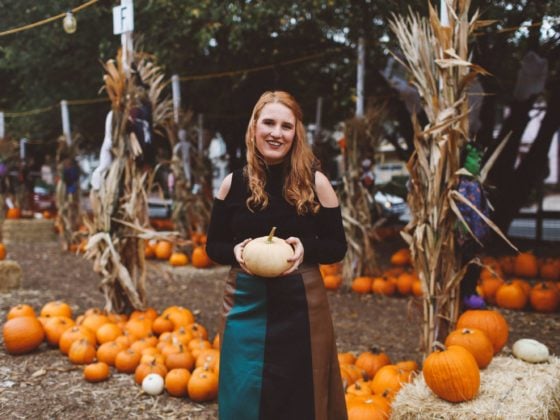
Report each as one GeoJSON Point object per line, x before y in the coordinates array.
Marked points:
{"type": "Point", "coordinates": [330, 244]}
{"type": "Point", "coordinates": [219, 243]}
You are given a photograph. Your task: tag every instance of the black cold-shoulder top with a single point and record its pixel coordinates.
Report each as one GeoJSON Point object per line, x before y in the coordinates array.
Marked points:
{"type": "Point", "coordinates": [321, 234]}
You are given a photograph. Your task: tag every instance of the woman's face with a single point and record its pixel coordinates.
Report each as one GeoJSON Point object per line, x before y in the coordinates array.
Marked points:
{"type": "Point", "coordinates": [275, 132]}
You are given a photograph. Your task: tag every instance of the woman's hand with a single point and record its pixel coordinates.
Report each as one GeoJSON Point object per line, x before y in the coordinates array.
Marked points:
{"type": "Point", "coordinates": [297, 258]}
{"type": "Point", "coordinates": [238, 253]}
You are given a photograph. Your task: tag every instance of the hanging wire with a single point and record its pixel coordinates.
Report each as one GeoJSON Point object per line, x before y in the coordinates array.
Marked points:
{"type": "Point", "coordinates": [47, 20]}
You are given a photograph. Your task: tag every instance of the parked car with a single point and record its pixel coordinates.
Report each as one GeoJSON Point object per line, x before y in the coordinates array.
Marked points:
{"type": "Point", "coordinates": [389, 205]}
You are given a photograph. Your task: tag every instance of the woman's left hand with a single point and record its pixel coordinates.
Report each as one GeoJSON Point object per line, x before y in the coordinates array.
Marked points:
{"type": "Point", "coordinates": [297, 258]}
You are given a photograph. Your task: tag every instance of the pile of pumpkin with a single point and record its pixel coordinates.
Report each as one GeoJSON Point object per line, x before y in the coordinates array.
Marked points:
{"type": "Point", "coordinates": [332, 275]}
{"type": "Point", "coordinates": [168, 351]}
{"type": "Point", "coordinates": [399, 279]}
{"type": "Point", "coordinates": [451, 371]}
{"type": "Point", "coordinates": [165, 251]}
{"type": "Point", "coordinates": [371, 382]}
{"type": "Point", "coordinates": [515, 282]}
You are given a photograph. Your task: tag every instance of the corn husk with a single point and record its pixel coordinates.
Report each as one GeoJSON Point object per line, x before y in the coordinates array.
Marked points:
{"type": "Point", "coordinates": [438, 60]}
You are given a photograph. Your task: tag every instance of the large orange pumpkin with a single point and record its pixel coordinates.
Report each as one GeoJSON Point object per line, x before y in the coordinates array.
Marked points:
{"type": "Point", "coordinates": [203, 385]}
{"type": "Point", "coordinates": [22, 334]}
{"type": "Point", "coordinates": [511, 296]}
{"type": "Point", "coordinates": [491, 322]}
{"type": "Point", "coordinates": [452, 374]}
{"type": "Point", "coordinates": [544, 297]}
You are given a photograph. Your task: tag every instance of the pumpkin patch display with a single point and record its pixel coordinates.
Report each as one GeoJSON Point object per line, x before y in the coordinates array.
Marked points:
{"type": "Point", "coordinates": [267, 256]}
{"type": "Point", "coordinates": [452, 374]}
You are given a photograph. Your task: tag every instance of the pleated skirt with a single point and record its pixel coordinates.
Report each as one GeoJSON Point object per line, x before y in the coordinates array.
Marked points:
{"type": "Point", "coordinates": [278, 353]}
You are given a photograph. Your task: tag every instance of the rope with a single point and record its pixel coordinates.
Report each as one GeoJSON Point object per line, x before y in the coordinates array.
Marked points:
{"type": "Point", "coordinates": [47, 20]}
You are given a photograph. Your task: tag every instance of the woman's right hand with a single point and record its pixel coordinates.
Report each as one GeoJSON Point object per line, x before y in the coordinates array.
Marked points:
{"type": "Point", "coordinates": [238, 252]}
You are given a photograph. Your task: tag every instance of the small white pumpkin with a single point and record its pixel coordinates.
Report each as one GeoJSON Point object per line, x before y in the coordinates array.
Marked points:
{"type": "Point", "coordinates": [267, 256]}
{"type": "Point", "coordinates": [153, 384]}
{"type": "Point", "coordinates": [530, 350]}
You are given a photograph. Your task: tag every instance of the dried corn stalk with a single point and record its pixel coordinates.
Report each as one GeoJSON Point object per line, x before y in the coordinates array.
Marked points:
{"type": "Point", "coordinates": [121, 222]}
{"type": "Point", "coordinates": [437, 58]}
{"type": "Point", "coordinates": [362, 136]}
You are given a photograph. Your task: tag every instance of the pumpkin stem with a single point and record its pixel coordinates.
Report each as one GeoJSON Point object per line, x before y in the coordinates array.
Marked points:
{"type": "Point", "coordinates": [271, 234]}
{"type": "Point", "coordinates": [438, 346]}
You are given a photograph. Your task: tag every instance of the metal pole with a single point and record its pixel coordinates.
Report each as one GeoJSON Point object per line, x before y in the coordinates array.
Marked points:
{"type": "Point", "coordinates": [443, 16]}
{"type": "Point", "coordinates": [176, 90]}
{"type": "Point", "coordinates": [2, 126]}
{"type": "Point", "coordinates": [317, 133]}
{"type": "Point", "coordinates": [126, 43]}
{"type": "Point", "coordinates": [360, 77]}
{"type": "Point", "coordinates": [66, 121]}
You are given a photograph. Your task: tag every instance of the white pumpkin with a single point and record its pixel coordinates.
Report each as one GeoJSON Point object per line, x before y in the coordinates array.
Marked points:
{"type": "Point", "coordinates": [153, 384]}
{"type": "Point", "coordinates": [530, 350]}
{"type": "Point", "coordinates": [267, 256]}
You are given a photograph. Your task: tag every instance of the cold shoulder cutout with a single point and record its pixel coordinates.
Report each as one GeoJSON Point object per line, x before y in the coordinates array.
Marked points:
{"type": "Point", "coordinates": [224, 187]}
{"type": "Point", "coordinates": [325, 192]}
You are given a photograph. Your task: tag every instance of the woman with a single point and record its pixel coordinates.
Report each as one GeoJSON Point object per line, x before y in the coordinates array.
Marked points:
{"type": "Point", "coordinates": [278, 353]}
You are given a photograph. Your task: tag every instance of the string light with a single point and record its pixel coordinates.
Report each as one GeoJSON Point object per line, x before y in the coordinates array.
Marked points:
{"type": "Point", "coordinates": [69, 23]}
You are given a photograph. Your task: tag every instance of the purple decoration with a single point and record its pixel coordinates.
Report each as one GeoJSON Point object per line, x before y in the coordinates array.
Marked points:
{"type": "Point", "coordinates": [474, 302]}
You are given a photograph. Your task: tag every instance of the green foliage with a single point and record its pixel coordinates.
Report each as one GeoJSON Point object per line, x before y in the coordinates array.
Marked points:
{"type": "Point", "coordinates": [41, 66]}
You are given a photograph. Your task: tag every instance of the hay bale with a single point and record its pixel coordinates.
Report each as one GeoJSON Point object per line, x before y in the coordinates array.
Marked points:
{"type": "Point", "coordinates": [28, 230]}
{"type": "Point", "coordinates": [10, 275]}
{"type": "Point", "coordinates": [510, 389]}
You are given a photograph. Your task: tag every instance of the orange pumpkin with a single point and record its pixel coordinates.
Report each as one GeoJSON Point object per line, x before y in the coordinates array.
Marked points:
{"type": "Point", "coordinates": [96, 372]}
{"type": "Point", "coordinates": [107, 352]}
{"type": "Point", "coordinates": [56, 326]}
{"type": "Point", "coordinates": [56, 308]}
{"type": "Point", "coordinates": [491, 322]}
{"type": "Point", "coordinates": [475, 341]}
{"type": "Point", "coordinates": [525, 265]}
{"type": "Point", "coordinates": [452, 374]}
{"type": "Point", "coordinates": [177, 382]}
{"type": "Point", "coordinates": [401, 257]}
{"type": "Point", "coordinates": [544, 297]}
{"type": "Point", "coordinates": [511, 296]}
{"type": "Point", "coordinates": [550, 269]}
{"type": "Point", "coordinates": [20, 310]}
{"type": "Point", "coordinates": [362, 284]}
{"type": "Point", "coordinates": [178, 259]}
{"type": "Point", "coordinates": [332, 281]}
{"type": "Point", "coordinates": [77, 332]}
{"type": "Point", "coordinates": [144, 369]}
{"type": "Point", "coordinates": [203, 385]}
{"type": "Point", "coordinates": [371, 362]}
{"type": "Point", "coordinates": [2, 251]}
{"type": "Point", "coordinates": [22, 334]}
{"type": "Point", "coordinates": [200, 258]}
{"type": "Point", "coordinates": [82, 352]}
{"type": "Point", "coordinates": [163, 250]}
{"type": "Point", "coordinates": [13, 213]}
{"type": "Point", "coordinates": [388, 381]}
{"type": "Point", "coordinates": [127, 360]}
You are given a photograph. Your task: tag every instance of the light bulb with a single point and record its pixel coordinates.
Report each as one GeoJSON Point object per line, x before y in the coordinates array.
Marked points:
{"type": "Point", "coordinates": [69, 23]}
